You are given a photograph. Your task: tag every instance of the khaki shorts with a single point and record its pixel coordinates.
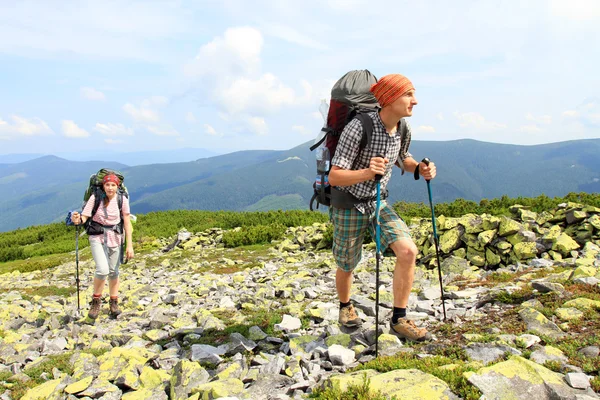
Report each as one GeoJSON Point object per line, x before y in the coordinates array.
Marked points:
{"type": "Point", "coordinates": [350, 226]}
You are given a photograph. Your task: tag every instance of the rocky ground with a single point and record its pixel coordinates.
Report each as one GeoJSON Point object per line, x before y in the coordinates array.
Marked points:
{"type": "Point", "coordinates": [204, 322]}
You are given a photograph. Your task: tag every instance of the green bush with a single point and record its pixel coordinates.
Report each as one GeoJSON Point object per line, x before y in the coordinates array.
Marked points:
{"type": "Point", "coordinates": [257, 234]}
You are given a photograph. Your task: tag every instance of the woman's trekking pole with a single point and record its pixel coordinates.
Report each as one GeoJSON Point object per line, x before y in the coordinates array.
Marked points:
{"type": "Point", "coordinates": [377, 260]}
{"type": "Point", "coordinates": [435, 240]}
{"type": "Point", "coordinates": [77, 262]}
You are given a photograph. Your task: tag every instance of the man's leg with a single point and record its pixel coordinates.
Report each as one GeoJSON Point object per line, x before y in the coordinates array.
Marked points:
{"type": "Point", "coordinates": [404, 271]}
{"type": "Point", "coordinates": [343, 284]}
{"type": "Point", "coordinates": [396, 235]}
{"type": "Point", "coordinates": [349, 227]}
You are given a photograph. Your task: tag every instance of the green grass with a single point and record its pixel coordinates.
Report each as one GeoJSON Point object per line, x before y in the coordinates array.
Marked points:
{"type": "Point", "coordinates": [263, 318]}
{"type": "Point", "coordinates": [354, 392]}
{"type": "Point", "coordinates": [38, 263]}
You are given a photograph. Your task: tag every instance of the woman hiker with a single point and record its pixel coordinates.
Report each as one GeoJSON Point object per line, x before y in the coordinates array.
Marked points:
{"type": "Point", "coordinates": [106, 245]}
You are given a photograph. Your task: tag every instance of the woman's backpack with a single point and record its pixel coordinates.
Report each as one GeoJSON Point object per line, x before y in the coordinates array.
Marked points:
{"type": "Point", "coordinates": [95, 188]}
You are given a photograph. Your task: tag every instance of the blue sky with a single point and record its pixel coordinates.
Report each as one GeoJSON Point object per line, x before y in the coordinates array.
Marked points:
{"type": "Point", "coordinates": [234, 75]}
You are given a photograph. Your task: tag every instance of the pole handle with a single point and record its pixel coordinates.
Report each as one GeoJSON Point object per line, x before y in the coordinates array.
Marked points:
{"type": "Point", "coordinates": [425, 161]}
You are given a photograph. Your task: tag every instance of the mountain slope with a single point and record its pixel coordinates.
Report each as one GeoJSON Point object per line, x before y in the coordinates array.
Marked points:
{"type": "Point", "coordinates": [260, 180]}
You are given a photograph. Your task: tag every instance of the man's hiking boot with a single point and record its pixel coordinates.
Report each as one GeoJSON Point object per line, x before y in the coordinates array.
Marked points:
{"type": "Point", "coordinates": [407, 329]}
{"type": "Point", "coordinates": [114, 308]}
{"type": "Point", "coordinates": [95, 308]}
{"type": "Point", "coordinates": [348, 317]}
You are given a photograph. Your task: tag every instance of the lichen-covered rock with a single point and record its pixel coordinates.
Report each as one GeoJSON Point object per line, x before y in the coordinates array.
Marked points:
{"type": "Point", "coordinates": [519, 378]}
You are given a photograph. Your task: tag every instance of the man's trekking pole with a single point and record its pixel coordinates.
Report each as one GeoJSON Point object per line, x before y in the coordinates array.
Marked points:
{"type": "Point", "coordinates": [377, 260]}
{"type": "Point", "coordinates": [435, 240]}
{"type": "Point", "coordinates": [77, 262]}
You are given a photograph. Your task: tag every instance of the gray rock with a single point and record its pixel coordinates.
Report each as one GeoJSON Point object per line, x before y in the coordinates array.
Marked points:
{"type": "Point", "coordinates": [488, 352]}
{"type": "Point", "coordinates": [590, 351]}
{"type": "Point", "coordinates": [288, 324]}
{"type": "Point", "coordinates": [548, 287]}
{"type": "Point", "coordinates": [340, 355]}
{"type": "Point", "coordinates": [207, 355]}
{"type": "Point", "coordinates": [578, 380]}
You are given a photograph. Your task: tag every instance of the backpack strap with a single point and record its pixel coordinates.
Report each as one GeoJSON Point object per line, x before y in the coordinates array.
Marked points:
{"type": "Point", "coordinates": [97, 199]}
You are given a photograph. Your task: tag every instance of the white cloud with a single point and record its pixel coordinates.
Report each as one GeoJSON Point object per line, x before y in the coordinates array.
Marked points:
{"type": "Point", "coordinates": [162, 130]}
{"type": "Point", "coordinates": [71, 130]}
{"type": "Point", "coordinates": [113, 129]}
{"type": "Point", "coordinates": [236, 52]}
{"type": "Point", "coordinates": [258, 125]}
{"type": "Point", "coordinates": [24, 127]}
{"type": "Point", "coordinates": [440, 116]}
{"type": "Point", "coordinates": [542, 119]}
{"type": "Point", "coordinates": [570, 113]}
{"type": "Point", "coordinates": [113, 141]}
{"type": "Point", "coordinates": [190, 118]}
{"type": "Point", "coordinates": [577, 10]}
{"type": "Point", "coordinates": [92, 94]}
{"type": "Point", "coordinates": [266, 94]}
{"type": "Point", "coordinates": [211, 131]}
{"type": "Point", "coordinates": [426, 128]}
{"type": "Point", "coordinates": [141, 114]}
{"type": "Point", "coordinates": [288, 33]}
{"type": "Point", "coordinates": [477, 121]}
{"type": "Point", "coordinates": [532, 128]}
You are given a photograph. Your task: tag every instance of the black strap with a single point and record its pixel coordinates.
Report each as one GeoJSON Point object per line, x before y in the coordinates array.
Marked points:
{"type": "Point", "coordinates": [327, 131]}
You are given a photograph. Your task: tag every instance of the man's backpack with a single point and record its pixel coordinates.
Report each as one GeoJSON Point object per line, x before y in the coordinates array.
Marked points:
{"type": "Point", "coordinates": [95, 188]}
{"type": "Point", "coordinates": [351, 98]}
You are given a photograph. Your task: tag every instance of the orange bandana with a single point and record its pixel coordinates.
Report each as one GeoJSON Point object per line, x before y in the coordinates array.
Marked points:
{"type": "Point", "coordinates": [390, 87]}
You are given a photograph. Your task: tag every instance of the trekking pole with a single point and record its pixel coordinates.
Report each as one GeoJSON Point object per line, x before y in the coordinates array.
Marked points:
{"type": "Point", "coordinates": [377, 260]}
{"type": "Point", "coordinates": [77, 262]}
{"type": "Point", "coordinates": [435, 240]}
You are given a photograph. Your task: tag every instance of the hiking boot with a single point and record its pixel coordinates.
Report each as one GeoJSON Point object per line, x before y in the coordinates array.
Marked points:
{"type": "Point", "coordinates": [407, 329]}
{"type": "Point", "coordinates": [348, 317]}
{"type": "Point", "coordinates": [95, 308]}
{"type": "Point", "coordinates": [114, 308]}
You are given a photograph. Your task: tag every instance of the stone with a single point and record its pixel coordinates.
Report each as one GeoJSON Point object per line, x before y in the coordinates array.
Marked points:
{"type": "Point", "coordinates": [564, 244]}
{"type": "Point", "coordinates": [488, 352]}
{"type": "Point", "coordinates": [339, 355]}
{"type": "Point", "coordinates": [548, 353]}
{"type": "Point", "coordinates": [577, 380]}
{"type": "Point", "coordinates": [288, 324]}
{"type": "Point", "coordinates": [519, 378]}
{"type": "Point", "coordinates": [539, 324]}
{"type": "Point", "coordinates": [187, 375]}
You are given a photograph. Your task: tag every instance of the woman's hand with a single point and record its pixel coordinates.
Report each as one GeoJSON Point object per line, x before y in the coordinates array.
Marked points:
{"type": "Point", "coordinates": [129, 252]}
{"type": "Point", "coordinates": [76, 218]}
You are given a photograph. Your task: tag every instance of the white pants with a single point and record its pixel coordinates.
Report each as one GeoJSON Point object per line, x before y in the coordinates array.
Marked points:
{"type": "Point", "coordinates": [107, 262]}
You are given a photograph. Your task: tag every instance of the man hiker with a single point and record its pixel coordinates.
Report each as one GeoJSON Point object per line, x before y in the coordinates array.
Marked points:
{"type": "Point", "coordinates": [353, 172]}
{"type": "Point", "coordinates": [106, 243]}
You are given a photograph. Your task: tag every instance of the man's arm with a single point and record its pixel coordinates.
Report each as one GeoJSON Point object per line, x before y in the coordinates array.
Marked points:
{"type": "Point", "coordinates": [346, 177]}
{"type": "Point", "coordinates": [426, 171]}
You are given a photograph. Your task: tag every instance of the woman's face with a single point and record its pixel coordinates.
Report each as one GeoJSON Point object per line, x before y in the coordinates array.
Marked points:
{"type": "Point", "coordinates": [110, 188]}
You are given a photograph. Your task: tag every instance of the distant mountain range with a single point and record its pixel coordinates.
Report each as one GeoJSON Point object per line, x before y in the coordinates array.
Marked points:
{"type": "Point", "coordinates": [43, 190]}
{"type": "Point", "coordinates": [132, 158]}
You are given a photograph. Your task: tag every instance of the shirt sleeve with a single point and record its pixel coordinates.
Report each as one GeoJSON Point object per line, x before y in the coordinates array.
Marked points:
{"type": "Point", "coordinates": [348, 145]}
{"type": "Point", "coordinates": [126, 209]}
{"type": "Point", "coordinates": [89, 207]}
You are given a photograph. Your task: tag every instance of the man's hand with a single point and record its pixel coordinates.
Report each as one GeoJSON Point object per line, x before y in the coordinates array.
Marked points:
{"type": "Point", "coordinates": [427, 171]}
{"type": "Point", "coordinates": [377, 166]}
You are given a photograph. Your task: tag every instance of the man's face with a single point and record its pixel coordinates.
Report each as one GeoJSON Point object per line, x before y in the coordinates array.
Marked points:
{"type": "Point", "coordinates": [403, 106]}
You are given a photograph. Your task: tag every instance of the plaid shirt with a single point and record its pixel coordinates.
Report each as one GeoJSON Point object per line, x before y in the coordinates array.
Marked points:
{"type": "Point", "coordinates": [349, 156]}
